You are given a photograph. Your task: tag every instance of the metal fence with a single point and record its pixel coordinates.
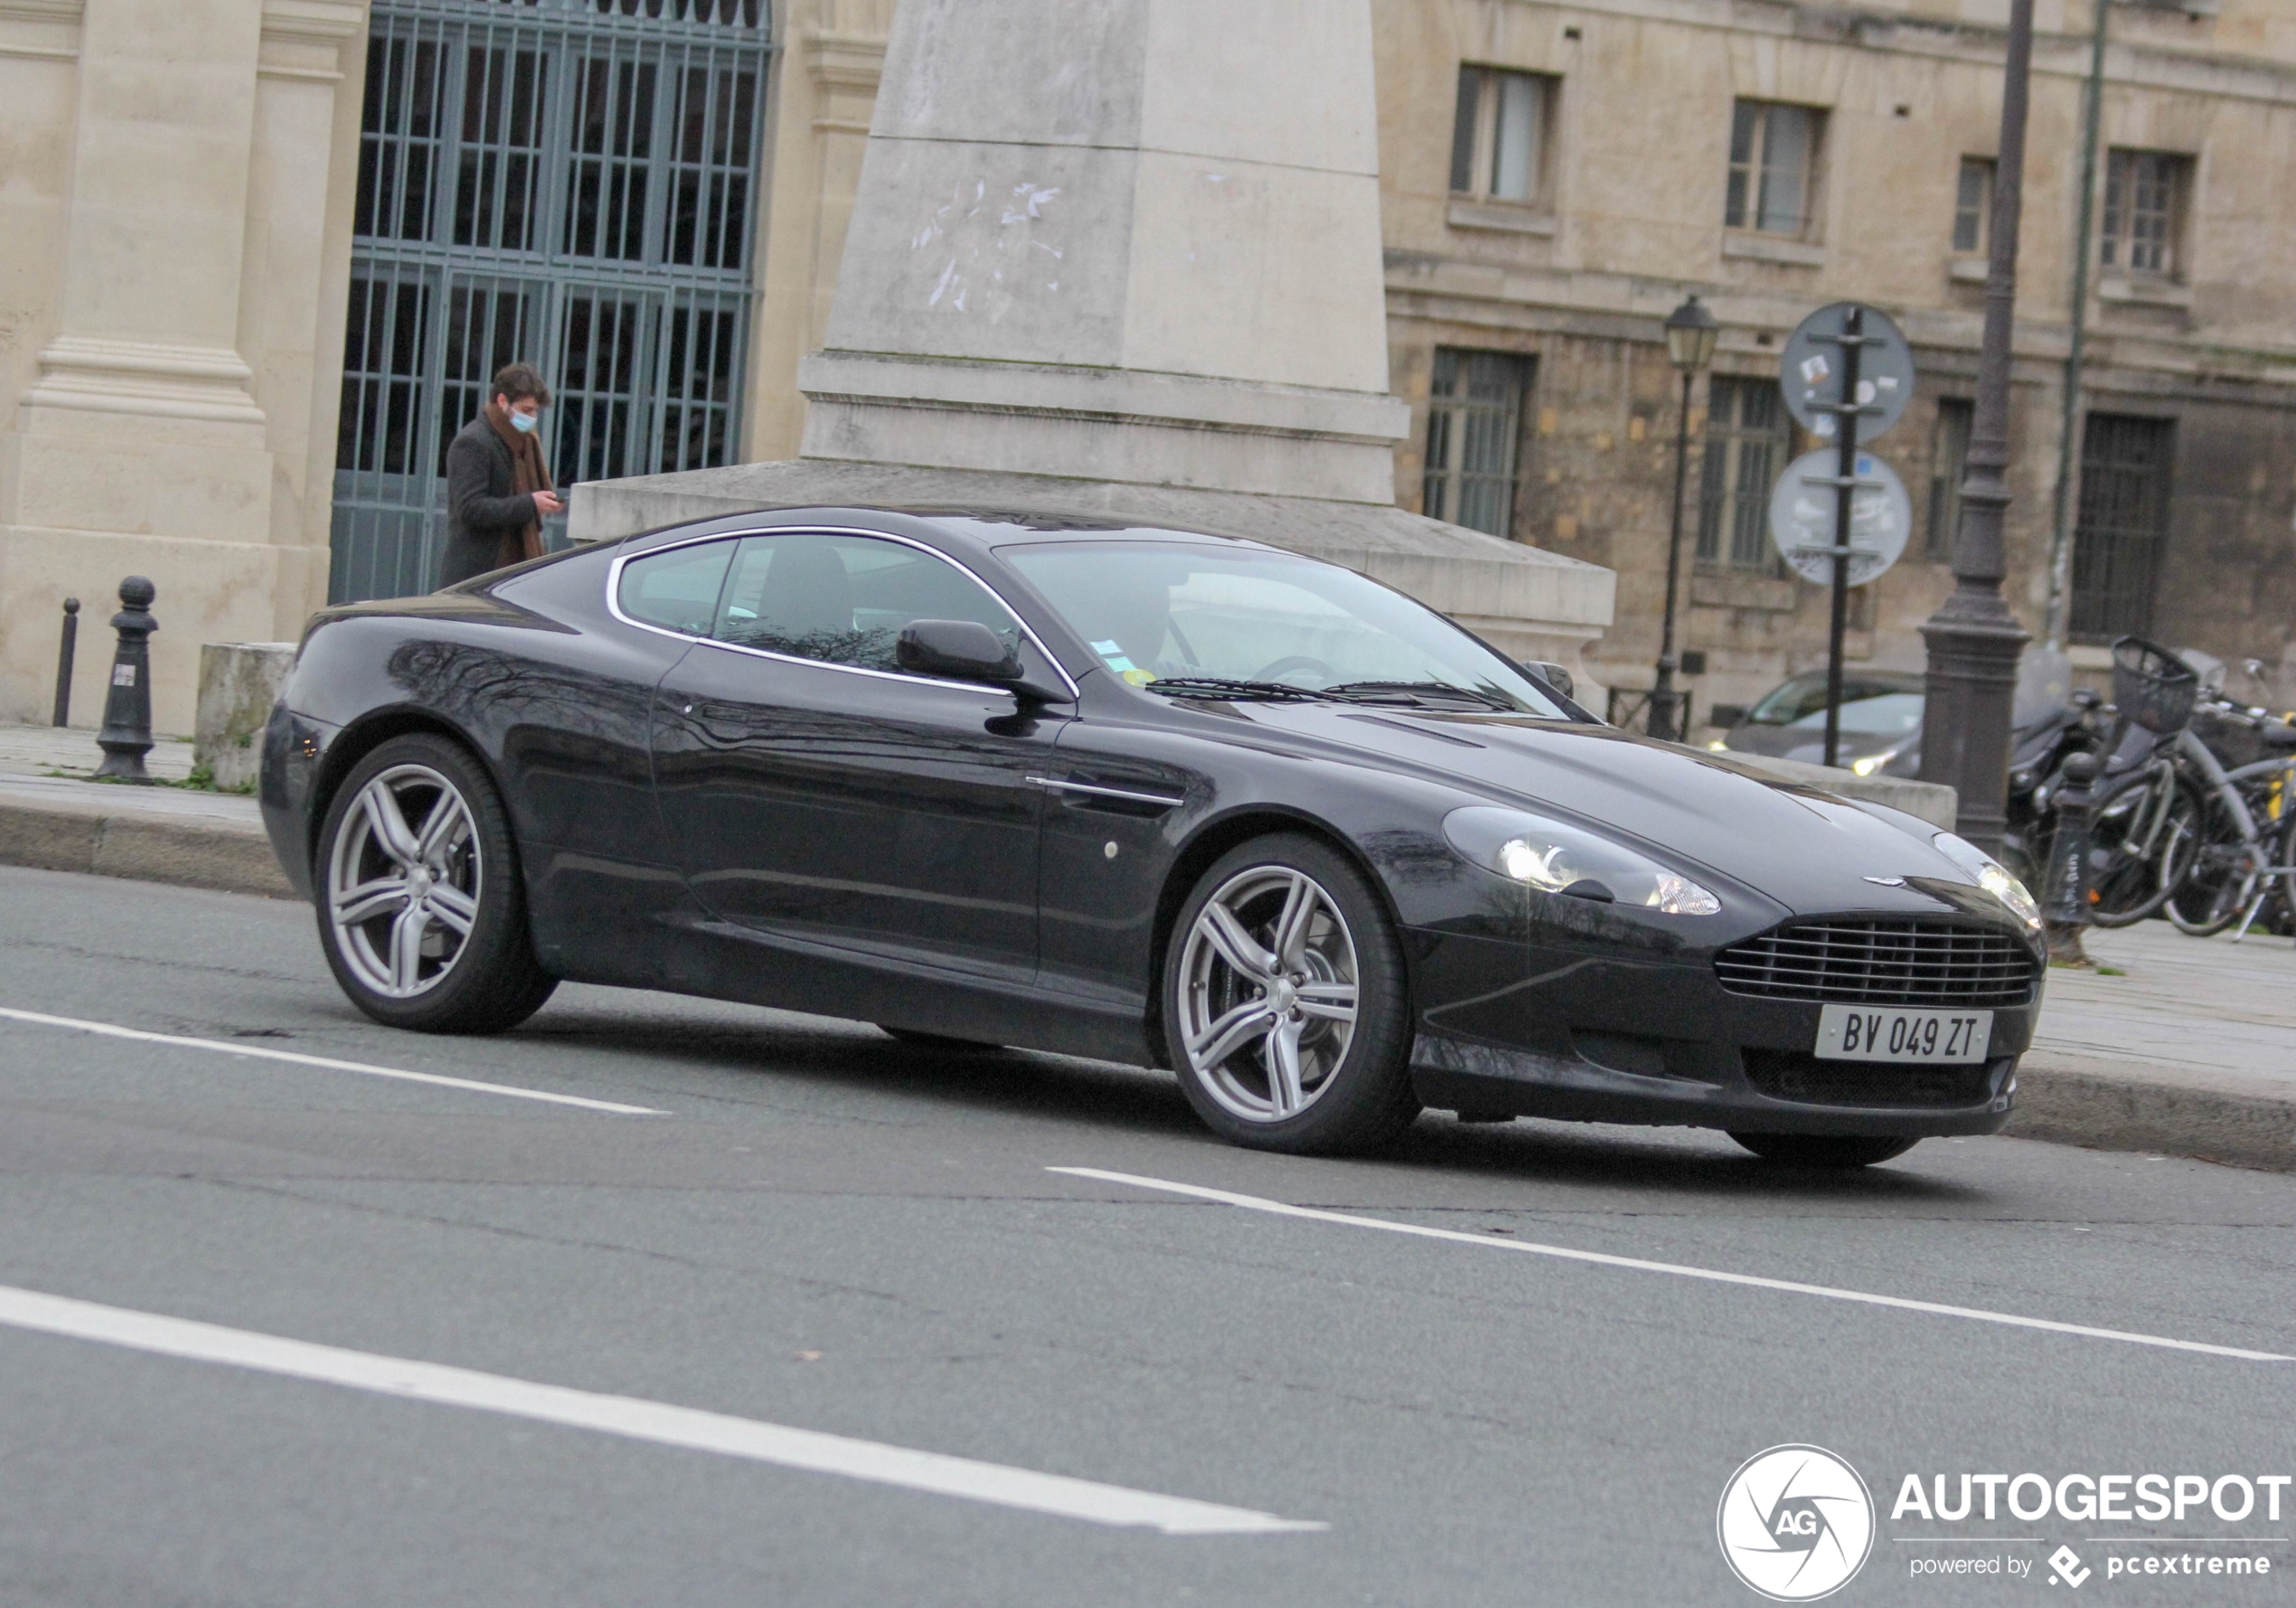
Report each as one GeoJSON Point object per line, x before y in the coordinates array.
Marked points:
{"type": "Point", "coordinates": [571, 182]}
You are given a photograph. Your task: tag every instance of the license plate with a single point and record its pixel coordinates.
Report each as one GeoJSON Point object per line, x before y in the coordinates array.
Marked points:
{"type": "Point", "coordinates": [1855, 1033]}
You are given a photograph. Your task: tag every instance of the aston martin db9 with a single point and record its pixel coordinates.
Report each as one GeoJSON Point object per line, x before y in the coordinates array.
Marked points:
{"type": "Point", "coordinates": [1147, 795]}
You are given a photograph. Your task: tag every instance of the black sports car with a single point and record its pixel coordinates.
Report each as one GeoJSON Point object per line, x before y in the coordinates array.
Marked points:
{"type": "Point", "coordinates": [1140, 793]}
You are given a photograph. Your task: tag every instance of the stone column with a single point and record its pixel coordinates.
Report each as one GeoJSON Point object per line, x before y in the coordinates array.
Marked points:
{"type": "Point", "coordinates": [1135, 240]}
{"type": "Point", "coordinates": [138, 446]}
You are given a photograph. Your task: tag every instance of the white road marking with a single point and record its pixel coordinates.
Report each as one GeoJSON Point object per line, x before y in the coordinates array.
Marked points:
{"type": "Point", "coordinates": [1979, 1315]}
{"type": "Point", "coordinates": [293, 1057]}
{"type": "Point", "coordinates": [687, 1427]}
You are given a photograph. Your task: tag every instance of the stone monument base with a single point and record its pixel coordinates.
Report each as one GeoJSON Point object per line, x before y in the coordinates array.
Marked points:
{"type": "Point", "coordinates": [1526, 602]}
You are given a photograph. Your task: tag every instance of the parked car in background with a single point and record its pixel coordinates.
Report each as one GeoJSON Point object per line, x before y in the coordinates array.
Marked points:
{"type": "Point", "coordinates": [1881, 714]}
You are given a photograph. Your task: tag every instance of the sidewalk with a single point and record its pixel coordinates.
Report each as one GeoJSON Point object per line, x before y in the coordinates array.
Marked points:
{"type": "Point", "coordinates": [2191, 1053]}
{"type": "Point", "coordinates": [53, 818]}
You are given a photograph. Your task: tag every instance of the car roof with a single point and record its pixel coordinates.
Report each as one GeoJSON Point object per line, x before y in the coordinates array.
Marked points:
{"type": "Point", "coordinates": [956, 529]}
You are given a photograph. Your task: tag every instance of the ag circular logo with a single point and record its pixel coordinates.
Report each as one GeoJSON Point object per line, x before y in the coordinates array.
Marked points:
{"type": "Point", "coordinates": [1796, 1523]}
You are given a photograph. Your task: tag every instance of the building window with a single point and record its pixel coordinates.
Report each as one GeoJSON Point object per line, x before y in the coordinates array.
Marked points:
{"type": "Point", "coordinates": [2144, 203]}
{"type": "Point", "coordinates": [1499, 139]}
{"type": "Point", "coordinates": [1948, 467]}
{"type": "Point", "coordinates": [1747, 436]}
{"type": "Point", "coordinates": [1475, 431]}
{"type": "Point", "coordinates": [2123, 519]}
{"type": "Point", "coordinates": [1973, 205]}
{"type": "Point", "coordinates": [1773, 159]}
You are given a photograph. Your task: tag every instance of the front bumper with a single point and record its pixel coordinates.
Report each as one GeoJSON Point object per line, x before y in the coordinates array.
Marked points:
{"type": "Point", "coordinates": [1512, 1029]}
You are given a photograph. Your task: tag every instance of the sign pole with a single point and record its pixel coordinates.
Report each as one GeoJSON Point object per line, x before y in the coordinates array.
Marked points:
{"type": "Point", "coordinates": [1853, 341]}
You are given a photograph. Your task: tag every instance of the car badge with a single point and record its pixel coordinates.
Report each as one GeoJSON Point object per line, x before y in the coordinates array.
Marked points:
{"type": "Point", "coordinates": [1886, 881]}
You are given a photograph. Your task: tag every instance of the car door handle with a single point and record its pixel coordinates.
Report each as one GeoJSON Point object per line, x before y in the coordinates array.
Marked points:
{"type": "Point", "coordinates": [1090, 790]}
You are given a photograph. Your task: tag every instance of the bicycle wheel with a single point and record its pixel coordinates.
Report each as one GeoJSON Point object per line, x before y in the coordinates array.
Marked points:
{"type": "Point", "coordinates": [2218, 876]}
{"type": "Point", "coordinates": [2134, 832]}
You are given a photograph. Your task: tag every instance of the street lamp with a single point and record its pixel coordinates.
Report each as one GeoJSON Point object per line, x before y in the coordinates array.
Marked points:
{"type": "Point", "coordinates": [1690, 334]}
{"type": "Point", "coordinates": [1973, 639]}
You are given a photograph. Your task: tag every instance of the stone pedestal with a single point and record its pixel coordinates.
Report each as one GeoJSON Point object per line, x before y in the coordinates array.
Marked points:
{"type": "Point", "coordinates": [1124, 258]}
{"type": "Point", "coordinates": [238, 681]}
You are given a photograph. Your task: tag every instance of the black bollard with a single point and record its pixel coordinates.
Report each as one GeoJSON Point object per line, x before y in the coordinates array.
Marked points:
{"type": "Point", "coordinates": [126, 736]}
{"type": "Point", "coordinates": [2066, 900]}
{"type": "Point", "coordinates": [65, 648]}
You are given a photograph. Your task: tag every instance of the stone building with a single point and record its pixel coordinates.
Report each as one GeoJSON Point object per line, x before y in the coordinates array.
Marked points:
{"type": "Point", "coordinates": [257, 258]}
{"type": "Point", "coordinates": [1556, 176]}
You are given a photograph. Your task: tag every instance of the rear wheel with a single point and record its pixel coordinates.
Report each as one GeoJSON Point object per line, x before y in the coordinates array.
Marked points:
{"type": "Point", "coordinates": [2142, 836]}
{"type": "Point", "coordinates": [421, 912]}
{"type": "Point", "coordinates": [1286, 1004]}
{"type": "Point", "coordinates": [2218, 876]}
{"type": "Point", "coordinates": [1824, 1150]}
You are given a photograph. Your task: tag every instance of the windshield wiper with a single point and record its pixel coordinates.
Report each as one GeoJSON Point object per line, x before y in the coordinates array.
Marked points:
{"type": "Point", "coordinates": [1221, 686]}
{"type": "Point", "coordinates": [1407, 692]}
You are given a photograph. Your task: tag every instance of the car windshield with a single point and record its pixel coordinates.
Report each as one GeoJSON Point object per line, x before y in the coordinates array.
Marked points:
{"type": "Point", "coordinates": [1202, 615]}
{"type": "Point", "coordinates": [1870, 709]}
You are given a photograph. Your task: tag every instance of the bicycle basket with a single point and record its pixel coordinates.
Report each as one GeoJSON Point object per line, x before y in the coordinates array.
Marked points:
{"type": "Point", "coordinates": [2151, 687]}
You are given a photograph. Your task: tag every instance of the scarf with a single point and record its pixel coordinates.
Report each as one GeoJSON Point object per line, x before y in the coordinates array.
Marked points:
{"type": "Point", "coordinates": [530, 475]}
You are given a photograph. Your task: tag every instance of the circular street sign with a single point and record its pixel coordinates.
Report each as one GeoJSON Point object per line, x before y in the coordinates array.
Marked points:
{"type": "Point", "coordinates": [1810, 370]}
{"type": "Point", "coordinates": [1802, 512]}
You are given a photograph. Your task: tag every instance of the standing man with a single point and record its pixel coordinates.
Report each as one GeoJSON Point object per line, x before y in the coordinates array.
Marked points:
{"type": "Point", "coordinates": [498, 489]}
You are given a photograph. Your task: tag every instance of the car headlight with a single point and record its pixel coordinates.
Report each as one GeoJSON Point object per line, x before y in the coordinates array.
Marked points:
{"type": "Point", "coordinates": [1990, 875]}
{"type": "Point", "coordinates": [1556, 858]}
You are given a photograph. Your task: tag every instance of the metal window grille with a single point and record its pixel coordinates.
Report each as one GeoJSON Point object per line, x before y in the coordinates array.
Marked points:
{"type": "Point", "coordinates": [2143, 194]}
{"type": "Point", "coordinates": [2123, 521]}
{"type": "Point", "coordinates": [1748, 433]}
{"type": "Point", "coordinates": [1474, 430]}
{"type": "Point", "coordinates": [1948, 467]}
{"type": "Point", "coordinates": [569, 183]}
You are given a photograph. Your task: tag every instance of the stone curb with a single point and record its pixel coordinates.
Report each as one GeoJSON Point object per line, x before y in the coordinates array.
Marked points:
{"type": "Point", "coordinates": [2061, 1100]}
{"type": "Point", "coordinates": [146, 847]}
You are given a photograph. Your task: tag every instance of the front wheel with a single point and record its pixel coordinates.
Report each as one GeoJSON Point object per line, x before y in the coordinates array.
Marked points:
{"type": "Point", "coordinates": [1286, 1005]}
{"type": "Point", "coordinates": [421, 913]}
{"type": "Point", "coordinates": [1824, 1150]}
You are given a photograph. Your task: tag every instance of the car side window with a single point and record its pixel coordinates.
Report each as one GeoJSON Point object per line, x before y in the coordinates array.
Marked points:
{"type": "Point", "coordinates": [845, 600]}
{"type": "Point", "coordinates": [676, 589]}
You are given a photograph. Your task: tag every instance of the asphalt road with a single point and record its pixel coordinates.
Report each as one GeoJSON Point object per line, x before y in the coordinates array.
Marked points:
{"type": "Point", "coordinates": [823, 1230]}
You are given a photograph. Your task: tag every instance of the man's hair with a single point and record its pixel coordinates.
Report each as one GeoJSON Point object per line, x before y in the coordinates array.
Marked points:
{"type": "Point", "coordinates": [517, 382]}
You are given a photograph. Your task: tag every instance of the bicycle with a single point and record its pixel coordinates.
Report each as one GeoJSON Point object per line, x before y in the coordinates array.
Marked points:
{"type": "Point", "coordinates": [2244, 852]}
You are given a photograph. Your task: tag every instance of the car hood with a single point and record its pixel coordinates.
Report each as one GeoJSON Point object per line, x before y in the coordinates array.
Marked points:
{"type": "Point", "coordinates": [1799, 742]}
{"type": "Point", "coordinates": [1809, 851]}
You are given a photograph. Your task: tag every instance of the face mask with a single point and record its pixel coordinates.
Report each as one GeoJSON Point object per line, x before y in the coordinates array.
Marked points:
{"type": "Point", "coordinates": [524, 423]}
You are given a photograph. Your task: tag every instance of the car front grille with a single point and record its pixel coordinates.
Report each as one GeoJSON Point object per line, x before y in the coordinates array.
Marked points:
{"type": "Point", "coordinates": [1881, 962]}
{"type": "Point", "coordinates": [1793, 1075]}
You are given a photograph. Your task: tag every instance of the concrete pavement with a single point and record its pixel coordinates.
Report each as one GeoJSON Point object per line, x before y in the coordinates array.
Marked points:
{"type": "Point", "coordinates": [828, 1231]}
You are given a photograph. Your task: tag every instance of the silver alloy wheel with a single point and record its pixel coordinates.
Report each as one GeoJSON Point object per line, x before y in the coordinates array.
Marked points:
{"type": "Point", "coordinates": [403, 897]}
{"type": "Point", "coordinates": [1267, 994]}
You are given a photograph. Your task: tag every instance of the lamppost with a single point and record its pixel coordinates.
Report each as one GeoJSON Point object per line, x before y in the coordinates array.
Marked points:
{"type": "Point", "coordinates": [1973, 639]}
{"type": "Point", "coordinates": [1690, 332]}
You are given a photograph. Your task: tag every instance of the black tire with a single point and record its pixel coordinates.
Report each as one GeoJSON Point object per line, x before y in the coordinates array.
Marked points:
{"type": "Point", "coordinates": [2216, 881]}
{"type": "Point", "coordinates": [483, 980]}
{"type": "Point", "coordinates": [2133, 866]}
{"type": "Point", "coordinates": [1824, 1150]}
{"type": "Point", "coordinates": [1352, 1080]}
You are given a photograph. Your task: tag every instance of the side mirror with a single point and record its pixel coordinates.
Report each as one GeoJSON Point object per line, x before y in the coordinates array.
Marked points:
{"type": "Point", "coordinates": [1725, 715]}
{"type": "Point", "coordinates": [967, 651]}
{"type": "Point", "coordinates": [1554, 675]}
{"type": "Point", "coordinates": [958, 650]}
